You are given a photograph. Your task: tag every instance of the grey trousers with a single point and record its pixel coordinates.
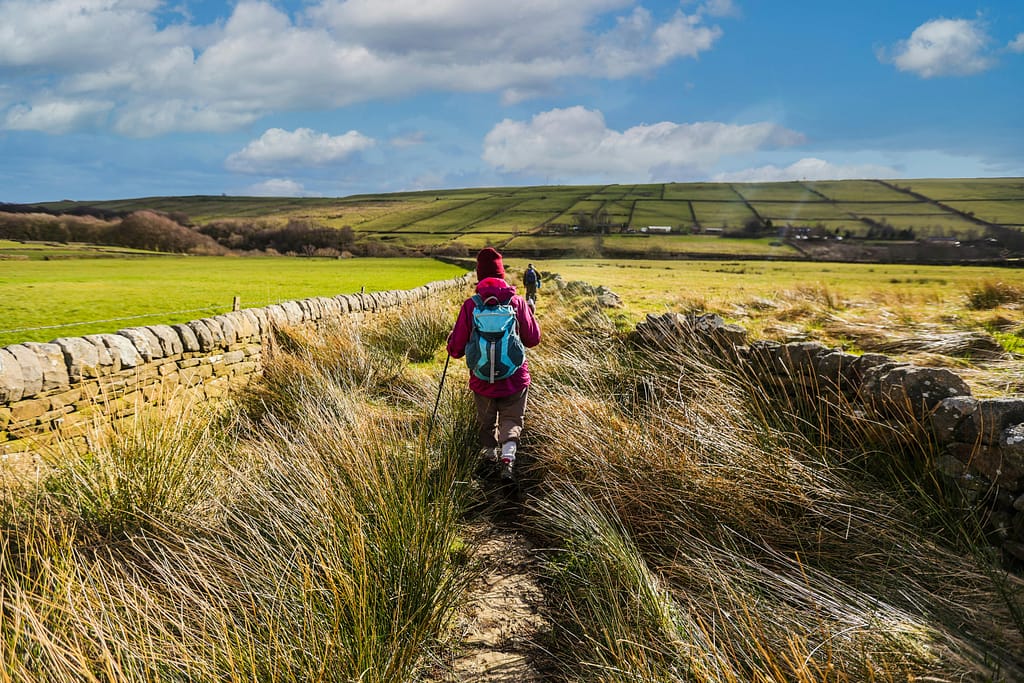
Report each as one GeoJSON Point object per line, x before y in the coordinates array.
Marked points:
{"type": "Point", "coordinates": [500, 419]}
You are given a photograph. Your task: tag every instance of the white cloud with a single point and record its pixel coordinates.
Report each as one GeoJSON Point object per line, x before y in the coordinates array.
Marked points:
{"type": "Point", "coordinates": [720, 8]}
{"type": "Point", "coordinates": [277, 187]}
{"type": "Point", "coordinates": [943, 47]}
{"type": "Point", "coordinates": [303, 147]}
{"type": "Point", "coordinates": [332, 53]}
{"type": "Point", "coordinates": [808, 168]}
{"type": "Point", "coordinates": [1017, 44]}
{"type": "Point", "coordinates": [570, 142]}
{"type": "Point", "coordinates": [636, 43]}
{"type": "Point", "coordinates": [56, 116]}
{"type": "Point", "coordinates": [412, 139]}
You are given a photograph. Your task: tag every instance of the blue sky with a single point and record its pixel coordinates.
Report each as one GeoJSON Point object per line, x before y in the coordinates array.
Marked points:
{"type": "Point", "coordinates": [107, 99]}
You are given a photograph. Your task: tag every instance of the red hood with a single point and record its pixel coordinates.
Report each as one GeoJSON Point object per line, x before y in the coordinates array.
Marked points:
{"type": "Point", "coordinates": [496, 287]}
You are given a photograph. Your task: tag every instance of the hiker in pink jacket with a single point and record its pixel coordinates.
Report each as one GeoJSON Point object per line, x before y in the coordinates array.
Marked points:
{"type": "Point", "coordinates": [501, 404]}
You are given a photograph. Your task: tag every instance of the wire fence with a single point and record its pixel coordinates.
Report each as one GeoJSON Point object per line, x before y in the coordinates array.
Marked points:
{"type": "Point", "coordinates": [235, 305]}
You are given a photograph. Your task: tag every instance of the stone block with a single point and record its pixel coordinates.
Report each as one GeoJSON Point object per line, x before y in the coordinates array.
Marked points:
{"type": "Point", "coordinates": [189, 340]}
{"type": "Point", "coordinates": [196, 375]}
{"type": "Point", "coordinates": [948, 418]}
{"type": "Point", "coordinates": [12, 382]}
{"type": "Point", "coordinates": [109, 361]}
{"type": "Point", "coordinates": [919, 389]}
{"type": "Point", "coordinates": [51, 360]}
{"type": "Point", "coordinates": [169, 340]}
{"type": "Point", "coordinates": [355, 303]}
{"type": "Point", "coordinates": [227, 326]}
{"type": "Point", "coordinates": [145, 342]}
{"type": "Point", "coordinates": [836, 368]}
{"type": "Point", "coordinates": [203, 335]}
{"type": "Point", "coordinates": [1001, 467]}
{"type": "Point", "coordinates": [258, 324]}
{"type": "Point", "coordinates": [81, 357]}
{"type": "Point", "coordinates": [31, 369]}
{"type": "Point", "coordinates": [293, 312]}
{"type": "Point", "coordinates": [28, 411]}
{"type": "Point", "coordinates": [216, 327]}
{"type": "Point", "coordinates": [991, 417]}
{"type": "Point", "coordinates": [124, 351]}
{"type": "Point", "coordinates": [244, 329]}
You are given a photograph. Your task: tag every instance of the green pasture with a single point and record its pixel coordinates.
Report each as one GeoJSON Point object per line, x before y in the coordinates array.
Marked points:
{"type": "Point", "coordinates": [700, 192]}
{"type": "Point", "coordinates": [47, 251]}
{"type": "Point", "coordinates": [892, 208]}
{"type": "Point", "coordinates": [695, 245]}
{"type": "Point", "coordinates": [811, 212]}
{"type": "Point", "coordinates": [657, 212]}
{"type": "Point", "coordinates": [947, 189]}
{"type": "Point", "coordinates": [1007, 212]}
{"type": "Point", "coordinates": [412, 212]}
{"type": "Point", "coordinates": [652, 286]}
{"type": "Point", "coordinates": [76, 297]}
{"type": "Point", "coordinates": [776, 192]}
{"type": "Point", "coordinates": [718, 214]}
{"type": "Point", "coordinates": [858, 191]}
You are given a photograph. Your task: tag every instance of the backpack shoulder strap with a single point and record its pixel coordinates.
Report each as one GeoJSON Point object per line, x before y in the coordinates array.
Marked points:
{"type": "Point", "coordinates": [477, 300]}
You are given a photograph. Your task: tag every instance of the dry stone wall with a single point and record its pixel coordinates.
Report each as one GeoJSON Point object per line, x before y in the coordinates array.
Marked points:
{"type": "Point", "coordinates": [980, 442]}
{"type": "Point", "coordinates": [60, 389]}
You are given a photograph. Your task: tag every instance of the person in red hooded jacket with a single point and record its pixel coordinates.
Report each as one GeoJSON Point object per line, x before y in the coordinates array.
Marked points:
{"type": "Point", "coordinates": [500, 405]}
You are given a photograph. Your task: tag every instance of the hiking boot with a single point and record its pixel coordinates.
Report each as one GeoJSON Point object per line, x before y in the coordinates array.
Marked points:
{"type": "Point", "coordinates": [506, 469]}
{"type": "Point", "coordinates": [508, 458]}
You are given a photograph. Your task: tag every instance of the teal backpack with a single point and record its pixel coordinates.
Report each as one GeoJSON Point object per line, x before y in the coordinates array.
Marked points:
{"type": "Point", "coordinates": [494, 351]}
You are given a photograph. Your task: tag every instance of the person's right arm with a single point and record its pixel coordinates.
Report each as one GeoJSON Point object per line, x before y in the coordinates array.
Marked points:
{"type": "Point", "coordinates": [459, 336]}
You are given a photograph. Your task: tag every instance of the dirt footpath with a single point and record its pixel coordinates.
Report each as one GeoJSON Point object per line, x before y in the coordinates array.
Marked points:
{"type": "Point", "coordinates": [502, 617]}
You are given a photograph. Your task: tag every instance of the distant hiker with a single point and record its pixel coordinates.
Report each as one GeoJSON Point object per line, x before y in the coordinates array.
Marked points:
{"type": "Point", "coordinates": [493, 327]}
{"type": "Point", "coordinates": [531, 278]}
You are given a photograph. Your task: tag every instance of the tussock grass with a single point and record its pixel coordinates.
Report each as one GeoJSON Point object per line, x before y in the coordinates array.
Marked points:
{"type": "Point", "coordinates": [314, 538]}
{"type": "Point", "coordinates": [989, 294]}
{"type": "Point", "coordinates": [706, 528]}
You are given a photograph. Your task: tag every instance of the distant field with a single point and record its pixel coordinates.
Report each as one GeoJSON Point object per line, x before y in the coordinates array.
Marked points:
{"type": "Point", "coordinates": [453, 219]}
{"type": "Point", "coordinates": [85, 296]}
{"type": "Point", "coordinates": [755, 291]}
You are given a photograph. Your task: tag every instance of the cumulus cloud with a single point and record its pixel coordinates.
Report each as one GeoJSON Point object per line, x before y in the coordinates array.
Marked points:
{"type": "Point", "coordinates": [1017, 44]}
{"type": "Point", "coordinates": [808, 168]}
{"type": "Point", "coordinates": [303, 147]}
{"type": "Point", "coordinates": [563, 143]}
{"type": "Point", "coordinates": [277, 187]}
{"type": "Point", "coordinates": [943, 47]}
{"type": "Point", "coordinates": [56, 116]}
{"type": "Point", "coordinates": [331, 53]}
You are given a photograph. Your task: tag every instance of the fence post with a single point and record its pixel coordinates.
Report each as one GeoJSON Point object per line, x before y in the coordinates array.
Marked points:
{"type": "Point", "coordinates": [236, 305]}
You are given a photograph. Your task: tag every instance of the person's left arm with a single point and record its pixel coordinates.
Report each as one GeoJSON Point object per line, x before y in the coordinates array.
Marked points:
{"type": "Point", "coordinates": [529, 328]}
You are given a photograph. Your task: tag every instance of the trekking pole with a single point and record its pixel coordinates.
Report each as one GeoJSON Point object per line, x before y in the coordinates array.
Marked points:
{"type": "Point", "coordinates": [440, 386]}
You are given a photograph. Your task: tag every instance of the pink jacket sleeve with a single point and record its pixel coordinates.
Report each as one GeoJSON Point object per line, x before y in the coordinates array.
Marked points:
{"type": "Point", "coordinates": [459, 336]}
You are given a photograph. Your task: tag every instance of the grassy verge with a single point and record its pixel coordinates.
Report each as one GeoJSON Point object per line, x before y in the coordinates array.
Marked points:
{"type": "Point", "coordinates": [311, 535]}
{"type": "Point", "coordinates": [704, 530]}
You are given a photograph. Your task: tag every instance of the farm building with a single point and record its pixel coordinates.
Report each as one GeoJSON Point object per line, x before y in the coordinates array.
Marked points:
{"type": "Point", "coordinates": [657, 228]}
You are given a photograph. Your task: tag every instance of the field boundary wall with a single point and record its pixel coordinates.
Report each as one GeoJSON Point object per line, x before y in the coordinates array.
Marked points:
{"type": "Point", "coordinates": [978, 443]}
{"type": "Point", "coordinates": [65, 388]}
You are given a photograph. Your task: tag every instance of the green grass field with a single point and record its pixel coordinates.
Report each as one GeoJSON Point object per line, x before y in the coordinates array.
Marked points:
{"type": "Point", "coordinates": [85, 296]}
